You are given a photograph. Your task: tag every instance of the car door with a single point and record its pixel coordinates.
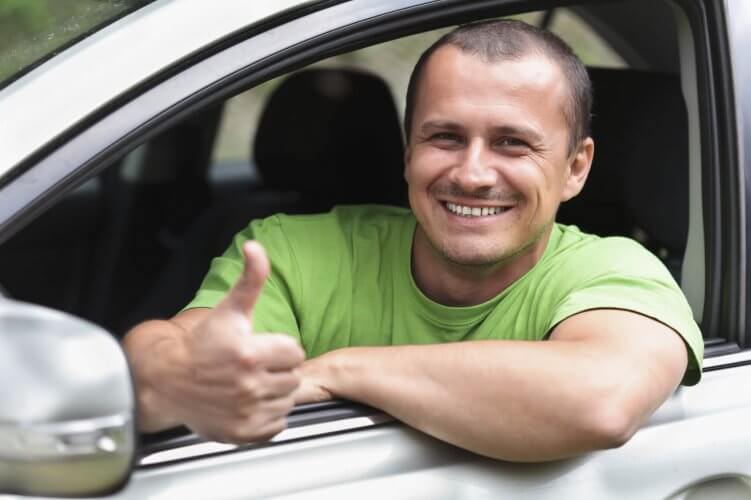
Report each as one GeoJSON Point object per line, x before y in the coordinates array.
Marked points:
{"type": "Point", "coordinates": [695, 445]}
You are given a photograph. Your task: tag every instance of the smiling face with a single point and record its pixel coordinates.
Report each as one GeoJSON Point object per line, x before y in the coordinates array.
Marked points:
{"type": "Point", "coordinates": [487, 161]}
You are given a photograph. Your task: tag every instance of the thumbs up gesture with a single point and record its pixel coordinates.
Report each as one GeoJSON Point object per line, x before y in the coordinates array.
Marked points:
{"type": "Point", "coordinates": [239, 385]}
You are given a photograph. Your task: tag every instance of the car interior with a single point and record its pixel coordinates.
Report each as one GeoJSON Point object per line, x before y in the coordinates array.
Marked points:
{"type": "Point", "coordinates": [134, 242]}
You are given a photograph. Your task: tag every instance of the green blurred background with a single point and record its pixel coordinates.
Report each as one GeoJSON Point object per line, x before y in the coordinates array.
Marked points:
{"type": "Point", "coordinates": [33, 29]}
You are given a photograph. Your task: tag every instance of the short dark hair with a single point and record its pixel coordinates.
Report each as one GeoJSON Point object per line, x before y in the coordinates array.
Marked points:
{"type": "Point", "coordinates": [499, 40]}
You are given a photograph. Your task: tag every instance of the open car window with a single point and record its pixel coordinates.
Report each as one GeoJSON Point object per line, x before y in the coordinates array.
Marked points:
{"type": "Point", "coordinates": [133, 223]}
{"type": "Point", "coordinates": [130, 225]}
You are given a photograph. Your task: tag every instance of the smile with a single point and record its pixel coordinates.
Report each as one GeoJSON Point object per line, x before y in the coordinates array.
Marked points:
{"type": "Point", "coordinates": [468, 211]}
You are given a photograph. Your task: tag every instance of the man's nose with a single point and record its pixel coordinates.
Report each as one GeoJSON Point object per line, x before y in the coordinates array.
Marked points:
{"type": "Point", "coordinates": [476, 169]}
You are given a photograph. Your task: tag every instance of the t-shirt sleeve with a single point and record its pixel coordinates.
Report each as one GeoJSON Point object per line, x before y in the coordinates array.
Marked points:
{"type": "Point", "coordinates": [634, 281]}
{"type": "Point", "coordinates": [275, 310]}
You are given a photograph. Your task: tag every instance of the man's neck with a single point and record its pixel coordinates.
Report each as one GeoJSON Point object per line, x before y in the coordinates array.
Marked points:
{"type": "Point", "coordinates": [454, 284]}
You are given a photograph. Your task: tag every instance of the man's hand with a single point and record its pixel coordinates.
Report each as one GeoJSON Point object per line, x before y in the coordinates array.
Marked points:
{"type": "Point", "coordinates": [215, 375]}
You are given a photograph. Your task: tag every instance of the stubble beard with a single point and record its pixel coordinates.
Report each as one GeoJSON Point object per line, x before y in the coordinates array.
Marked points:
{"type": "Point", "coordinates": [481, 262]}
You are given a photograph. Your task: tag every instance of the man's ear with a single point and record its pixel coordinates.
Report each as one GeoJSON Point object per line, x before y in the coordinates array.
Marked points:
{"type": "Point", "coordinates": [578, 169]}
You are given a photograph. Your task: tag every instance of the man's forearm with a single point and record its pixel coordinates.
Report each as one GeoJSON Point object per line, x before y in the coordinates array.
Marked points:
{"type": "Point", "coordinates": [513, 400]}
{"type": "Point", "coordinates": [477, 396]}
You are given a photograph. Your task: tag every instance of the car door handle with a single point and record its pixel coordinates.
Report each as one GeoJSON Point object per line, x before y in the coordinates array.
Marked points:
{"type": "Point", "coordinates": [731, 487]}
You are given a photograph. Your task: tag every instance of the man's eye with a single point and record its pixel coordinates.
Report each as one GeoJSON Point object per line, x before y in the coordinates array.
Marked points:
{"type": "Point", "coordinates": [511, 142]}
{"type": "Point", "coordinates": [445, 137]}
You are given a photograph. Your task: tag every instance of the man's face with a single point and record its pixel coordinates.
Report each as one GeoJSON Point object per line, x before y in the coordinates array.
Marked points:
{"type": "Point", "coordinates": [487, 162]}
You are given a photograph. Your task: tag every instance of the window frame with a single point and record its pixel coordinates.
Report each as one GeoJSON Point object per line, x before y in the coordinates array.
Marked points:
{"type": "Point", "coordinates": [725, 261]}
{"type": "Point", "coordinates": [733, 43]}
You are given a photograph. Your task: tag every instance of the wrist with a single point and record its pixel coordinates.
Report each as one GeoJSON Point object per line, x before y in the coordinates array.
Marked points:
{"type": "Point", "coordinates": [344, 373]}
{"type": "Point", "coordinates": [151, 368]}
{"type": "Point", "coordinates": [152, 416]}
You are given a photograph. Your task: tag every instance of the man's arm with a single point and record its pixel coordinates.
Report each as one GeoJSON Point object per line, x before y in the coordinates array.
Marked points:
{"type": "Point", "coordinates": [206, 369]}
{"type": "Point", "coordinates": [590, 387]}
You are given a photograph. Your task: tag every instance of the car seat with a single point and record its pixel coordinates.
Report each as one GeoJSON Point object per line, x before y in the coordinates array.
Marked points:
{"type": "Point", "coordinates": [638, 185]}
{"type": "Point", "coordinates": [152, 197]}
{"type": "Point", "coordinates": [333, 136]}
{"type": "Point", "coordinates": [325, 137]}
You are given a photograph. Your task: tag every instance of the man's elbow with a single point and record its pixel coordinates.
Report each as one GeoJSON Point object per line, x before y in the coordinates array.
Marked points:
{"type": "Point", "coordinates": [613, 425]}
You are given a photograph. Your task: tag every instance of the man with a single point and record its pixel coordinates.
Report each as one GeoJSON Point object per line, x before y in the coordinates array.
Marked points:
{"type": "Point", "coordinates": [497, 129]}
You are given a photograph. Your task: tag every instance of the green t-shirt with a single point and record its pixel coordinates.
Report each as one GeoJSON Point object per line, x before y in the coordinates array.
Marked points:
{"type": "Point", "coordinates": [344, 279]}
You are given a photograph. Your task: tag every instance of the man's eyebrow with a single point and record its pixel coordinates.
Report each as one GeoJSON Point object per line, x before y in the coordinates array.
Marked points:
{"type": "Point", "coordinates": [440, 124]}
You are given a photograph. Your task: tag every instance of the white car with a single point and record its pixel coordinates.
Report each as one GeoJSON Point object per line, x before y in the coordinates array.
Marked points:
{"type": "Point", "coordinates": [130, 154]}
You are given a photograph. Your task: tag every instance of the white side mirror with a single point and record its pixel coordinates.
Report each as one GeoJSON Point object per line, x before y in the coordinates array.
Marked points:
{"type": "Point", "coordinates": [66, 405]}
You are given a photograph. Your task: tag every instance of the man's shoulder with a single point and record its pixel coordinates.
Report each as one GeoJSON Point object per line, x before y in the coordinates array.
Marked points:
{"type": "Point", "coordinates": [342, 219]}
{"type": "Point", "coordinates": [590, 253]}
{"type": "Point", "coordinates": [340, 234]}
{"type": "Point", "coordinates": [572, 239]}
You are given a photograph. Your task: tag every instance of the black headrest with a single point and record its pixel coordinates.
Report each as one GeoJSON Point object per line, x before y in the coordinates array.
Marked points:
{"type": "Point", "coordinates": [638, 185]}
{"type": "Point", "coordinates": [333, 134]}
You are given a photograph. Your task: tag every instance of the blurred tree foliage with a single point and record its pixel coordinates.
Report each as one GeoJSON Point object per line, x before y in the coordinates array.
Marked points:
{"type": "Point", "coordinates": [31, 30]}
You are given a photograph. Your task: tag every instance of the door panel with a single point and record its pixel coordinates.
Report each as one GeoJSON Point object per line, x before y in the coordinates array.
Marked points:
{"type": "Point", "coordinates": [696, 444]}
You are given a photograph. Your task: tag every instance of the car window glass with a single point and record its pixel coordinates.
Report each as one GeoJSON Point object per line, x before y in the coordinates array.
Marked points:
{"type": "Point", "coordinates": [33, 31]}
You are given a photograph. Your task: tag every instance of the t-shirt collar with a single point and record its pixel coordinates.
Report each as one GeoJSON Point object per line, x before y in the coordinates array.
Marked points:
{"type": "Point", "coordinates": [449, 316]}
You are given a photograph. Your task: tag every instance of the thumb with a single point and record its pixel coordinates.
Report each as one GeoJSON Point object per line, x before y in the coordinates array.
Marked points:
{"type": "Point", "coordinates": [243, 296]}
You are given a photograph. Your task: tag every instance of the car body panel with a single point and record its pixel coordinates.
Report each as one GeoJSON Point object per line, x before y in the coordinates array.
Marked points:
{"type": "Point", "coordinates": [698, 436]}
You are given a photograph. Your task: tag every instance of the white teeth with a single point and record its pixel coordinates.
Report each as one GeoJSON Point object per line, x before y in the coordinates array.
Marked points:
{"type": "Point", "coordinates": [473, 211]}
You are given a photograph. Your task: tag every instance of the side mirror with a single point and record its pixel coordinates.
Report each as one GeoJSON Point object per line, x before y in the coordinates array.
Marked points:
{"type": "Point", "coordinates": [66, 405]}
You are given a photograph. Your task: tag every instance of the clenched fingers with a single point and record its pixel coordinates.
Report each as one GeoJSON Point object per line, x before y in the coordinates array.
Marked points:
{"type": "Point", "coordinates": [248, 355]}
{"type": "Point", "coordinates": [266, 419]}
{"type": "Point", "coordinates": [275, 352]}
